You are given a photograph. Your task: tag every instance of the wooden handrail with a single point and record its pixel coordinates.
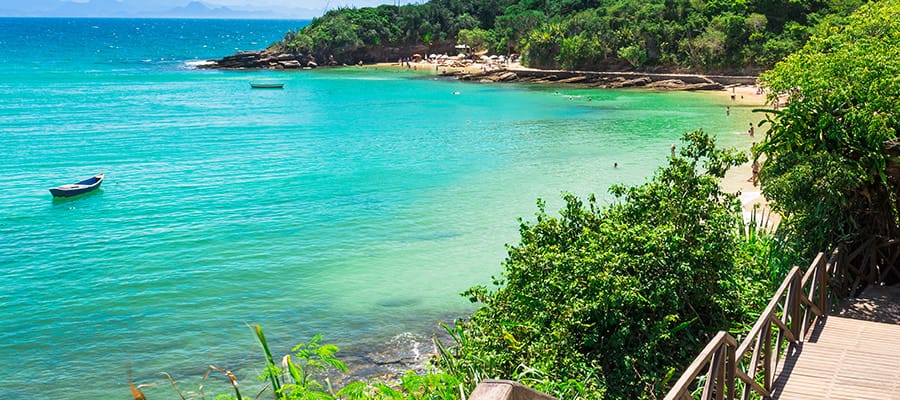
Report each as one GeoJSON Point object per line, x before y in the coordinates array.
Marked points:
{"type": "Point", "coordinates": [722, 339]}
{"type": "Point", "coordinates": [799, 309]}
{"type": "Point", "coordinates": [731, 368]}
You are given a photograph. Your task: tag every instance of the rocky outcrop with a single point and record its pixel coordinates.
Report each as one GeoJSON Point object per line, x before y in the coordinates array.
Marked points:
{"type": "Point", "coordinates": [262, 60]}
{"type": "Point", "coordinates": [267, 59]}
{"type": "Point", "coordinates": [608, 79]}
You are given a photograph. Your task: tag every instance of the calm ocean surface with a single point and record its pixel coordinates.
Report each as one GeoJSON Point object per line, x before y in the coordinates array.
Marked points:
{"type": "Point", "coordinates": [354, 203]}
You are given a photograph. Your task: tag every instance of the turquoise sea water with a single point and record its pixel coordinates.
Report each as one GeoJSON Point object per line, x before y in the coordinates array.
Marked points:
{"type": "Point", "coordinates": [354, 203]}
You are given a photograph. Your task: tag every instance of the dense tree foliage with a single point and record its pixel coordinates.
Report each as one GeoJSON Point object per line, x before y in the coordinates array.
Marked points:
{"type": "Point", "coordinates": [831, 160]}
{"type": "Point", "coordinates": [614, 302]}
{"type": "Point", "coordinates": [584, 34]}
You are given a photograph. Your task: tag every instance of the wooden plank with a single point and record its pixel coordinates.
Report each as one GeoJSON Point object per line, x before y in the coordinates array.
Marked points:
{"type": "Point", "coordinates": [852, 359]}
{"type": "Point", "coordinates": [769, 311]}
{"type": "Point", "coordinates": [680, 388]}
{"type": "Point", "coordinates": [495, 389]}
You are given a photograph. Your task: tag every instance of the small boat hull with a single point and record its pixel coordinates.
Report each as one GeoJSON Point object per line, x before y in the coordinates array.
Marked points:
{"type": "Point", "coordinates": [266, 85]}
{"type": "Point", "coordinates": [85, 186]}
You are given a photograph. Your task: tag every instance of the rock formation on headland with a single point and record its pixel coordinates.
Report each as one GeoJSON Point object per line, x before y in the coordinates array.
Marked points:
{"type": "Point", "coordinates": [263, 60]}
{"type": "Point", "coordinates": [278, 56]}
{"type": "Point", "coordinates": [610, 79]}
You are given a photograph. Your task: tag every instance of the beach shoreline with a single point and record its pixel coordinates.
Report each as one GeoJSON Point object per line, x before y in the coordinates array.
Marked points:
{"type": "Point", "coordinates": [736, 181]}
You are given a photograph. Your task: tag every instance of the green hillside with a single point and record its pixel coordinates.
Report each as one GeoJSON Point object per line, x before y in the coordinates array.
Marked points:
{"type": "Point", "coordinates": [687, 35]}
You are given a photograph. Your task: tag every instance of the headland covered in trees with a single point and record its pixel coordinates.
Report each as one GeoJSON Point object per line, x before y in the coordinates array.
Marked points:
{"type": "Point", "coordinates": [726, 37]}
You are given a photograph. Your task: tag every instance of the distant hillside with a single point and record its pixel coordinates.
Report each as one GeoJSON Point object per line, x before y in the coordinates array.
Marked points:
{"type": "Point", "coordinates": [714, 35]}
{"type": "Point", "coordinates": [196, 9]}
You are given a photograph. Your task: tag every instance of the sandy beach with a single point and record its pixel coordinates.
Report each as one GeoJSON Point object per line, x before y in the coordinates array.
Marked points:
{"type": "Point", "coordinates": [737, 179]}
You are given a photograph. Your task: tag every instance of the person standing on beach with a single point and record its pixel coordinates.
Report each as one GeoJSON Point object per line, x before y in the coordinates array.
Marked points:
{"type": "Point", "coordinates": [751, 131]}
{"type": "Point", "coordinates": [755, 169]}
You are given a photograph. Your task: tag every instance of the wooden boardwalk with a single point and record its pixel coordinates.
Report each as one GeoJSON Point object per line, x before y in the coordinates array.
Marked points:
{"type": "Point", "coordinates": [852, 355]}
{"type": "Point", "coordinates": [800, 347]}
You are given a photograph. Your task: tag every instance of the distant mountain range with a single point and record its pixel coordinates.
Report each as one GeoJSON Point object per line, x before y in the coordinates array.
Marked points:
{"type": "Point", "coordinates": [196, 9]}
{"type": "Point", "coordinates": [121, 9]}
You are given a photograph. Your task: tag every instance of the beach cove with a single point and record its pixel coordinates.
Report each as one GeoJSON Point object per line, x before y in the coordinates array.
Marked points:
{"type": "Point", "coordinates": [353, 203]}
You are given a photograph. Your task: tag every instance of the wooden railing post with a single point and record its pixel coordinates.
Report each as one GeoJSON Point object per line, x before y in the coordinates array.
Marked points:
{"type": "Point", "coordinates": [796, 290]}
{"type": "Point", "coordinates": [822, 281]}
{"type": "Point", "coordinates": [768, 368]}
{"type": "Point", "coordinates": [788, 316]}
{"type": "Point", "coordinates": [730, 367]}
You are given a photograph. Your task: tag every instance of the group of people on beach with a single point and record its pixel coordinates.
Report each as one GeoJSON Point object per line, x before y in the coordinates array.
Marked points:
{"type": "Point", "coordinates": [755, 166]}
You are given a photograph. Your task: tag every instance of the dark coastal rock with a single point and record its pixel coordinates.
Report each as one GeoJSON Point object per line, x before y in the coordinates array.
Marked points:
{"type": "Point", "coordinates": [703, 86]}
{"type": "Point", "coordinates": [574, 79]}
{"type": "Point", "coordinates": [262, 60]}
{"type": "Point", "coordinates": [667, 84]}
{"type": "Point", "coordinates": [284, 59]}
{"type": "Point", "coordinates": [607, 79]}
{"type": "Point", "coordinates": [677, 84]}
{"type": "Point", "coordinates": [626, 83]}
{"type": "Point", "coordinates": [507, 76]}
{"type": "Point", "coordinates": [392, 358]}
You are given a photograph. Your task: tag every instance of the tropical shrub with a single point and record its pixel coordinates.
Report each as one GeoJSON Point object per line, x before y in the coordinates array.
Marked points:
{"type": "Point", "coordinates": [831, 165]}
{"type": "Point", "coordinates": [611, 302]}
{"type": "Point", "coordinates": [305, 375]}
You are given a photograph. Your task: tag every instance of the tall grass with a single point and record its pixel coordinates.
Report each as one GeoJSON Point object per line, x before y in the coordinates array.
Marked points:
{"type": "Point", "coordinates": [303, 374]}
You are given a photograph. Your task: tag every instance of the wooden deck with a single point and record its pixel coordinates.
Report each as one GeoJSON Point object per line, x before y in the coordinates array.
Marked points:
{"type": "Point", "coordinates": [854, 354]}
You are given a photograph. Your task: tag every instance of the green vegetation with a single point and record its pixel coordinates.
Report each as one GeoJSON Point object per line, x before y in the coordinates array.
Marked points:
{"type": "Point", "coordinates": [304, 376]}
{"type": "Point", "coordinates": [831, 163]}
{"type": "Point", "coordinates": [579, 34]}
{"type": "Point", "coordinates": [615, 302]}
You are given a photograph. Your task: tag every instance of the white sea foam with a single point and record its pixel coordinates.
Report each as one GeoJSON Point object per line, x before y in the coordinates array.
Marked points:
{"type": "Point", "coordinates": [409, 342]}
{"type": "Point", "coordinates": [197, 63]}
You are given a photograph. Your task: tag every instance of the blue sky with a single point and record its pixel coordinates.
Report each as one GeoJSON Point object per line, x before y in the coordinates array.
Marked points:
{"type": "Point", "coordinates": [137, 8]}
